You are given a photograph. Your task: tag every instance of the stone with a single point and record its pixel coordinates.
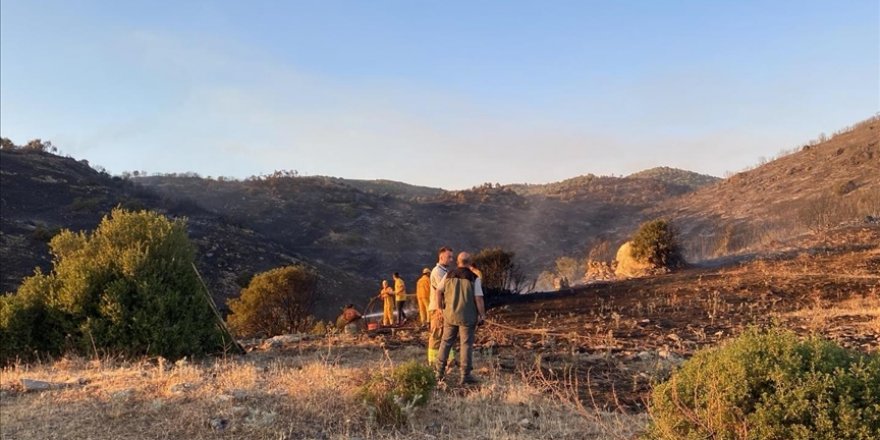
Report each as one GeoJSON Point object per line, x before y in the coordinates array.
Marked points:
{"type": "Point", "coordinates": [240, 411]}
{"type": "Point", "coordinates": [30, 385]}
{"type": "Point", "coordinates": [525, 423]}
{"type": "Point", "coordinates": [627, 265]}
{"type": "Point", "coordinates": [238, 394]}
{"type": "Point", "coordinates": [180, 388]}
{"type": "Point", "coordinates": [218, 423]}
{"type": "Point", "coordinates": [645, 355]}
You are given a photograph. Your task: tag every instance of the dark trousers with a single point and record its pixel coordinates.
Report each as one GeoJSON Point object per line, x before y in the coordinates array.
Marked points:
{"type": "Point", "coordinates": [465, 335]}
{"type": "Point", "coordinates": [400, 315]}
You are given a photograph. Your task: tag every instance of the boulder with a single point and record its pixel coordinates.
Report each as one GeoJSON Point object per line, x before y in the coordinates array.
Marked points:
{"type": "Point", "coordinates": [628, 266]}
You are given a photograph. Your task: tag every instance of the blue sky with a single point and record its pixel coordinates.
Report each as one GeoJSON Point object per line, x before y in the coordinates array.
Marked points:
{"type": "Point", "coordinates": [448, 94]}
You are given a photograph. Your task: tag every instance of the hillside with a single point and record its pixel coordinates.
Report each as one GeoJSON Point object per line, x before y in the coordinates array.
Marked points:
{"type": "Point", "coordinates": [815, 188]}
{"type": "Point", "coordinates": [358, 232]}
{"type": "Point", "coordinates": [373, 234]}
{"type": "Point", "coordinates": [42, 193]}
{"type": "Point", "coordinates": [676, 176]}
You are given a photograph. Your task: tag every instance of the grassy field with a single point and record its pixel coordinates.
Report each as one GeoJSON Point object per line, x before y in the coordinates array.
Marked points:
{"type": "Point", "coordinates": [303, 391]}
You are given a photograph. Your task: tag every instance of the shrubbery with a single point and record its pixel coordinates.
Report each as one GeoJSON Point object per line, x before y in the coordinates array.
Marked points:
{"type": "Point", "coordinates": [392, 399]}
{"type": "Point", "coordinates": [129, 287]}
{"type": "Point", "coordinates": [771, 385]}
{"type": "Point", "coordinates": [275, 302]}
{"type": "Point", "coordinates": [501, 274]}
{"type": "Point", "coordinates": [656, 242]}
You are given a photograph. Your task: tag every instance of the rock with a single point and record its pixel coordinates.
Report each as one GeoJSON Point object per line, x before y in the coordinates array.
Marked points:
{"type": "Point", "coordinates": [238, 394]}
{"type": "Point", "coordinates": [180, 388]}
{"type": "Point", "coordinates": [218, 423]}
{"type": "Point", "coordinates": [259, 417]}
{"type": "Point", "coordinates": [645, 355]}
{"type": "Point", "coordinates": [627, 265]}
{"type": "Point", "coordinates": [30, 385]}
{"type": "Point", "coordinates": [434, 429]}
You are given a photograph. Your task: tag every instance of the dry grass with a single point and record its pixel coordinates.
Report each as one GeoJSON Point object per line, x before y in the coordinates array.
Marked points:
{"type": "Point", "coordinates": [286, 395]}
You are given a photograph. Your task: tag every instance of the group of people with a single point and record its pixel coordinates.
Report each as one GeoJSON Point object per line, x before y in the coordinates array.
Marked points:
{"type": "Point", "coordinates": [456, 308]}
{"type": "Point", "coordinates": [450, 298]}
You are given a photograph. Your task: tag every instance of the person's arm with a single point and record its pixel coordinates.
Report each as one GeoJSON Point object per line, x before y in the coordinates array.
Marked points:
{"type": "Point", "coordinates": [478, 295]}
{"type": "Point", "coordinates": [438, 293]}
{"type": "Point", "coordinates": [481, 308]}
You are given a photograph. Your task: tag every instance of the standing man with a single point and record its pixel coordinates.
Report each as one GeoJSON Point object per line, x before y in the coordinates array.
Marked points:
{"type": "Point", "coordinates": [423, 295]}
{"type": "Point", "coordinates": [460, 297]}
{"type": "Point", "coordinates": [400, 296]}
{"type": "Point", "coordinates": [387, 297]}
{"type": "Point", "coordinates": [435, 331]}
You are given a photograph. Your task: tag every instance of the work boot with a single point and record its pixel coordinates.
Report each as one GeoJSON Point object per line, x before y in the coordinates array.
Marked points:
{"type": "Point", "coordinates": [440, 374]}
{"type": "Point", "coordinates": [467, 379]}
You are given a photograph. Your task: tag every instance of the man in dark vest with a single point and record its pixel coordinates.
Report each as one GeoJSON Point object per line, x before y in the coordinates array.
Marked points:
{"type": "Point", "coordinates": [460, 297]}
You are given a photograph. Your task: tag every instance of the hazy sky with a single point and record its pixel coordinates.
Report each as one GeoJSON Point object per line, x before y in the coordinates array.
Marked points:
{"type": "Point", "coordinates": [447, 94]}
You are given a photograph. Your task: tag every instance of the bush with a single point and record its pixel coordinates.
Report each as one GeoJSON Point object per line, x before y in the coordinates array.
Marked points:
{"type": "Point", "coordinates": [501, 275]}
{"type": "Point", "coordinates": [770, 385]}
{"type": "Point", "coordinates": [656, 242]}
{"type": "Point", "coordinates": [127, 288]}
{"type": "Point", "coordinates": [390, 400]}
{"type": "Point", "coordinates": [275, 302]}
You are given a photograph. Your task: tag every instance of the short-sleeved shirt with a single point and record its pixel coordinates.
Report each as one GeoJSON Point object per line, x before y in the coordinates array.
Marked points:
{"type": "Point", "coordinates": [399, 289]}
{"type": "Point", "coordinates": [437, 274]}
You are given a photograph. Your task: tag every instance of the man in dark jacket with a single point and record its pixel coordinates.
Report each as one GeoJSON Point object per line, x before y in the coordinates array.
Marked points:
{"type": "Point", "coordinates": [460, 297]}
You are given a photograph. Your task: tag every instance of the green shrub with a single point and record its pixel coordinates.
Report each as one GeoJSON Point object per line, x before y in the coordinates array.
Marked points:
{"type": "Point", "coordinates": [656, 242]}
{"type": "Point", "coordinates": [29, 324]}
{"type": "Point", "coordinates": [275, 302]}
{"type": "Point", "coordinates": [127, 288]}
{"type": "Point", "coordinates": [391, 399]}
{"type": "Point", "coordinates": [770, 385]}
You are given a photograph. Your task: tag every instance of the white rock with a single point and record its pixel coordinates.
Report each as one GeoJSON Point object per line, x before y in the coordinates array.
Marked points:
{"type": "Point", "coordinates": [30, 385]}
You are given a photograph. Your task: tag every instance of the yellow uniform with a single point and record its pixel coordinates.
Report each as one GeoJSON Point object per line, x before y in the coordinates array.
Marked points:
{"type": "Point", "coordinates": [423, 294]}
{"type": "Point", "coordinates": [387, 296]}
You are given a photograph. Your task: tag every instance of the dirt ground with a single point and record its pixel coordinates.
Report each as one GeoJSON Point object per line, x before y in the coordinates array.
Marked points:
{"type": "Point", "coordinates": [618, 337]}
{"type": "Point", "coordinates": [572, 364]}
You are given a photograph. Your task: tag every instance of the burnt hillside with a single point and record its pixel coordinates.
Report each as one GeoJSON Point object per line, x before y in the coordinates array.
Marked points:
{"type": "Point", "coordinates": [42, 193]}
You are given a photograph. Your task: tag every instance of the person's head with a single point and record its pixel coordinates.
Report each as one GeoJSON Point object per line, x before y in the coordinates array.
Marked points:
{"type": "Point", "coordinates": [384, 283]}
{"type": "Point", "coordinates": [395, 275]}
{"type": "Point", "coordinates": [426, 271]}
{"type": "Point", "coordinates": [350, 306]}
{"type": "Point", "coordinates": [464, 259]}
{"type": "Point", "coordinates": [444, 256]}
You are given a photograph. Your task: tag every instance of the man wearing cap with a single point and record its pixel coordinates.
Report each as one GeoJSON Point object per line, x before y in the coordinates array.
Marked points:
{"type": "Point", "coordinates": [423, 294]}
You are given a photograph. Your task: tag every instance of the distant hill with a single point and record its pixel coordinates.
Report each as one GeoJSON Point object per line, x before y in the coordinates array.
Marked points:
{"type": "Point", "coordinates": [676, 176]}
{"type": "Point", "coordinates": [42, 193]}
{"type": "Point", "coordinates": [393, 188]}
{"type": "Point", "coordinates": [824, 183]}
{"type": "Point", "coordinates": [357, 232]}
